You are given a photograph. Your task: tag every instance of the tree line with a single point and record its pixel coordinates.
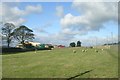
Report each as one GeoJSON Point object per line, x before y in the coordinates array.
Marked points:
{"type": "Point", "coordinates": [21, 33]}
{"type": "Point", "coordinates": [72, 44]}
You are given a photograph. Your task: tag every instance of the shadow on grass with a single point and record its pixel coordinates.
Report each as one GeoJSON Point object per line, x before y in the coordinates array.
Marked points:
{"type": "Point", "coordinates": [6, 51]}
{"type": "Point", "coordinates": [79, 75]}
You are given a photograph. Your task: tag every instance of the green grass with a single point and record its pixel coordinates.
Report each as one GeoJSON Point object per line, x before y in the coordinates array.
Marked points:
{"type": "Point", "coordinates": [61, 63]}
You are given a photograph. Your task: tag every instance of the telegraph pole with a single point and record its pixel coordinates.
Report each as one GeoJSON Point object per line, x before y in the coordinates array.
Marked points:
{"type": "Point", "coordinates": [96, 41]}
{"type": "Point", "coordinates": [112, 37]}
{"type": "Point", "coordinates": [107, 40]}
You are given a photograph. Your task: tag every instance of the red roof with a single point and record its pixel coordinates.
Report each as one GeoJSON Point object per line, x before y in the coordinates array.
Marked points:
{"type": "Point", "coordinates": [61, 46]}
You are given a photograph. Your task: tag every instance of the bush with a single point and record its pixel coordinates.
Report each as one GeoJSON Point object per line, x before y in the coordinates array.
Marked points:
{"type": "Point", "coordinates": [11, 49]}
{"type": "Point", "coordinates": [78, 44]}
{"type": "Point", "coordinates": [72, 44]}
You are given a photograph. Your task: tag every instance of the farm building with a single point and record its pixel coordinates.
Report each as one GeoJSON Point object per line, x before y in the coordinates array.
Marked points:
{"type": "Point", "coordinates": [61, 46]}
{"type": "Point", "coordinates": [35, 45]}
{"type": "Point", "coordinates": [28, 44]}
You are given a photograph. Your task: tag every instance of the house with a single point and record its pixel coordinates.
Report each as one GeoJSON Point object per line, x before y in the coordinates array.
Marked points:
{"type": "Point", "coordinates": [61, 46]}
{"type": "Point", "coordinates": [28, 45]}
{"type": "Point", "coordinates": [49, 45]}
{"type": "Point", "coordinates": [34, 43]}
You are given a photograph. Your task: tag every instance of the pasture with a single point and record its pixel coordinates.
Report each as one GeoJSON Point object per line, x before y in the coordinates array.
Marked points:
{"type": "Point", "coordinates": [62, 63]}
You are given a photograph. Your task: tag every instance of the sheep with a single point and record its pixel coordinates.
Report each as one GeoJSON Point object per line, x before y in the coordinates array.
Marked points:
{"type": "Point", "coordinates": [96, 50]}
{"type": "Point", "coordinates": [74, 51]}
{"type": "Point", "coordinates": [35, 50]}
{"type": "Point", "coordinates": [84, 50]}
{"type": "Point", "coordinates": [102, 49]}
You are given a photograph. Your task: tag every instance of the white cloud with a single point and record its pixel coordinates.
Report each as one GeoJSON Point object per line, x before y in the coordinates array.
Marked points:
{"type": "Point", "coordinates": [18, 22]}
{"type": "Point", "coordinates": [65, 39]}
{"type": "Point", "coordinates": [43, 28]}
{"type": "Point", "coordinates": [56, 38]}
{"type": "Point", "coordinates": [59, 11]}
{"type": "Point", "coordinates": [96, 40]}
{"type": "Point", "coordinates": [33, 9]}
{"type": "Point", "coordinates": [92, 17]}
{"type": "Point", "coordinates": [15, 15]}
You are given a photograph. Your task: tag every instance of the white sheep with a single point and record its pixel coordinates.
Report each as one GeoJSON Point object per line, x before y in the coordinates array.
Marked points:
{"type": "Point", "coordinates": [96, 50]}
{"type": "Point", "coordinates": [102, 49]}
{"type": "Point", "coordinates": [74, 51]}
{"type": "Point", "coordinates": [83, 50]}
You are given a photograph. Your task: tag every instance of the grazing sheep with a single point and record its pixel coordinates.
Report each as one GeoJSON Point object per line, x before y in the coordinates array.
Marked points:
{"type": "Point", "coordinates": [96, 50]}
{"type": "Point", "coordinates": [84, 50]}
{"type": "Point", "coordinates": [35, 50]}
{"type": "Point", "coordinates": [91, 47]}
{"type": "Point", "coordinates": [102, 49]}
{"type": "Point", "coordinates": [108, 47]}
{"type": "Point", "coordinates": [74, 51]}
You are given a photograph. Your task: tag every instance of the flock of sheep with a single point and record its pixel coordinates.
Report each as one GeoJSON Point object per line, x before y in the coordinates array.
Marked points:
{"type": "Point", "coordinates": [85, 50]}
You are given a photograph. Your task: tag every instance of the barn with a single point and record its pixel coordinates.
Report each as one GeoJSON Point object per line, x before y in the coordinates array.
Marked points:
{"type": "Point", "coordinates": [28, 45]}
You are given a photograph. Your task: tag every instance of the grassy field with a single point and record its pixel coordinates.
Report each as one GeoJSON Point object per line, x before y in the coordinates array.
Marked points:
{"type": "Point", "coordinates": [62, 63]}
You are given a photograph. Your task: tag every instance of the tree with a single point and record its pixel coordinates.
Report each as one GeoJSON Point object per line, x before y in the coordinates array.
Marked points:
{"type": "Point", "coordinates": [78, 44]}
{"type": "Point", "coordinates": [7, 32]}
{"type": "Point", "coordinates": [72, 44]}
{"type": "Point", "coordinates": [23, 34]}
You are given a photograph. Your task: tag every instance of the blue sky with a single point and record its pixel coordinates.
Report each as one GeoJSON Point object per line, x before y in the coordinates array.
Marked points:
{"type": "Point", "coordinates": [65, 22]}
{"type": "Point", "coordinates": [48, 16]}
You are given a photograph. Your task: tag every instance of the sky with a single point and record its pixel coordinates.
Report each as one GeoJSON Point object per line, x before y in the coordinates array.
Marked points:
{"type": "Point", "coordinates": [92, 23]}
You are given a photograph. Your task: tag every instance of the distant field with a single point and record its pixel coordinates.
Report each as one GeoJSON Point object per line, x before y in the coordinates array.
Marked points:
{"type": "Point", "coordinates": [62, 63]}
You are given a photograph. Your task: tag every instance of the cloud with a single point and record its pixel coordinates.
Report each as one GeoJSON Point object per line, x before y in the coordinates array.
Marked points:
{"type": "Point", "coordinates": [96, 40]}
{"type": "Point", "coordinates": [92, 17]}
{"type": "Point", "coordinates": [57, 38]}
{"type": "Point", "coordinates": [15, 15]}
{"type": "Point", "coordinates": [33, 9]}
{"type": "Point", "coordinates": [59, 11]}
{"type": "Point", "coordinates": [60, 38]}
{"type": "Point", "coordinates": [43, 28]}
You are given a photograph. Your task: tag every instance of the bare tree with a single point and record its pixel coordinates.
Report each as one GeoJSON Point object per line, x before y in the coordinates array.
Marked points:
{"type": "Point", "coordinates": [7, 32]}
